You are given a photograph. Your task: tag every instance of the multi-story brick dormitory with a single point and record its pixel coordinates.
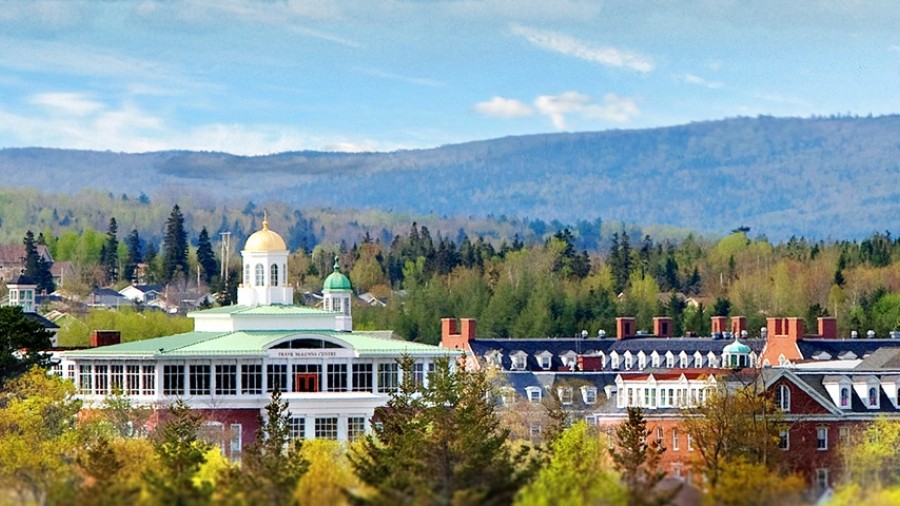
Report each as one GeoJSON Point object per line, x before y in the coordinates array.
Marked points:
{"type": "Point", "coordinates": [826, 386]}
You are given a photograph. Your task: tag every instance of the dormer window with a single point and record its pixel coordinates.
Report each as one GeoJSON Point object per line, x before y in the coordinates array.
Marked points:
{"type": "Point", "coordinates": [654, 359]}
{"type": "Point", "coordinates": [629, 360]}
{"type": "Point", "coordinates": [544, 359]}
{"type": "Point", "coordinates": [684, 361]}
{"type": "Point", "coordinates": [845, 397]}
{"type": "Point", "coordinates": [518, 361]}
{"type": "Point", "coordinates": [642, 360]}
{"type": "Point", "coordinates": [589, 394]}
{"type": "Point", "coordinates": [670, 360]}
{"type": "Point", "coordinates": [534, 394]}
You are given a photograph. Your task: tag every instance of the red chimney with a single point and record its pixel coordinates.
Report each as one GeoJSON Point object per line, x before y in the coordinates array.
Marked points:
{"type": "Point", "coordinates": [662, 326]}
{"type": "Point", "coordinates": [738, 325]}
{"type": "Point", "coordinates": [718, 324]}
{"type": "Point", "coordinates": [105, 338]}
{"type": "Point", "coordinates": [450, 339]}
{"type": "Point", "coordinates": [827, 327]}
{"type": "Point", "coordinates": [624, 327]}
{"type": "Point", "coordinates": [781, 339]}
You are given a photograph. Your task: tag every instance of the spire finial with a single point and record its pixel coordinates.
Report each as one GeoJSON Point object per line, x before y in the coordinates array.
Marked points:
{"type": "Point", "coordinates": [337, 264]}
{"type": "Point", "coordinates": [265, 220]}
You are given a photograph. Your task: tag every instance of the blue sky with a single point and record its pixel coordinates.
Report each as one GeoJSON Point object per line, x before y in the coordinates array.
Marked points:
{"type": "Point", "coordinates": [263, 77]}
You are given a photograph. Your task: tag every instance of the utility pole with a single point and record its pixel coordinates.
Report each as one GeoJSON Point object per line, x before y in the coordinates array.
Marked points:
{"type": "Point", "coordinates": [226, 256]}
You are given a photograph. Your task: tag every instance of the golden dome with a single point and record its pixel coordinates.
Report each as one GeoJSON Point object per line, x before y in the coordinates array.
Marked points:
{"type": "Point", "coordinates": [265, 240]}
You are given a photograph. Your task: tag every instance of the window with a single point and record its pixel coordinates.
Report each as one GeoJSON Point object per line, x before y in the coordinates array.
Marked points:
{"type": "Point", "coordinates": [535, 430]}
{"type": "Point", "coordinates": [276, 377]}
{"type": "Point", "coordinates": [670, 360]}
{"type": "Point", "coordinates": [307, 378]}
{"type": "Point", "coordinates": [199, 376]}
{"type": "Point", "coordinates": [297, 427]}
{"type": "Point", "coordinates": [387, 378]}
{"type": "Point", "coordinates": [544, 361]}
{"type": "Point", "coordinates": [236, 441]}
{"type": "Point", "coordinates": [683, 362]}
{"type": "Point", "coordinates": [663, 400]}
{"type": "Point", "coordinates": [517, 361]}
{"type": "Point", "coordinates": [337, 377]}
{"type": "Point", "coordinates": [117, 378]}
{"type": "Point", "coordinates": [822, 478]}
{"type": "Point", "coordinates": [173, 380]}
{"type": "Point", "coordinates": [260, 275]}
{"type": "Point", "coordinates": [226, 379]}
{"type": "Point", "coordinates": [132, 379]}
{"type": "Point", "coordinates": [659, 434]}
{"type": "Point", "coordinates": [844, 434]}
{"type": "Point", "coordinates": [356, 428]}
{"type": "Point", "coordinates": [85, 378]}
{"type": "Point", "coordinates": [783, 399]}
{"type": "Point", "coordinates": [565, 395]}
{"type": "Point", "coordinates": [101, 381]}
{"type": "Point", "coordinates": [419, 374]}
{"type": "Point", "coordinates": [534, 394]}
{"type": "Point", "coordinates": [698, 360]}
{"type": "Point", "coordinates": [589, 394]}
{"type": "Point", "coordinates": [273, 275]}
{"type": "Point", "coordinates": [873, 396]}
{"type": "Point", "coordinates": [246, 274]}
{"type": "Point", "coordinates": [507, 396]}
{"type": "Point", "coordinates": [629, 361]}
{"type": "Point", "coordinates": [654, 359]}
{"type": "Point", "coordinates": [690, 443]}
{"type": "Point", "coordinates": [70, 372]}
{"type": "Point", "coordinates": [822, 438]}
{"type": "Point", "coordinates": [362, 377]}
{"type": "Point", "coordinates": [845, 397]}
{"type": "Point", "coordinates": [675, 439]}
{"type": "Point", "coordinates": [642, 361]}
{"type": "Point", "coordinates": [251, 379]}
{"type": "Point", "coordinates": [149, 379]}
{"type": "Point", "coordinates": [327, 428]}
{"type": "Point", "coordinates": [784, 439]}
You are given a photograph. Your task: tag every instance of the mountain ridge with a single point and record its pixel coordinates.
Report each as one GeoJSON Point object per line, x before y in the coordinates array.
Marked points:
{"type": "Point", "coordinates": [817, 177]}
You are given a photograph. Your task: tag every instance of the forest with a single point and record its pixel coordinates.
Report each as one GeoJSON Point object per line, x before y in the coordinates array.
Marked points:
{"type": "Point", "coordinates": [818, 177]}
{"type": "Point", "coordinates": [545, 282]}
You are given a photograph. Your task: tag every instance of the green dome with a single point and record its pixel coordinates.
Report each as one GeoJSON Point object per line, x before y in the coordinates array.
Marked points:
{"type": "Point", "coordinates": [336, 280]}
{"type": "Point", "coordinates": [736, 347]}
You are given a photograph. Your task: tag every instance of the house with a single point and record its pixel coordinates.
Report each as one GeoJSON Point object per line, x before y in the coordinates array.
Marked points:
{"type": "Point", "coordinates": [12, 259]}
{"type": "Point", "coordinates": [332, 377]}
{"type": "Point", "coordinates": [106, 297]}
{"type": "Point", "coordinates": [141, 294]}
{"type": "Point", "coordinates": [22, 292]}
{"type": "Point", "coordinates": [825, 386]}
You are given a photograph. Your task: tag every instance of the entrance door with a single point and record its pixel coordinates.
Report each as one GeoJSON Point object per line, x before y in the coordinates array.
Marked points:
{"type": "Point", "coordinates": [306, 382]}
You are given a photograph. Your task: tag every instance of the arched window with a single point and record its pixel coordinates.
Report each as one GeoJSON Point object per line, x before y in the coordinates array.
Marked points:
{"type": "Point", "coordinates": [283, 274]}
{"type": "Point", "coordinates": [784, 398]}
{"type": "Point", "coordinates": [260, 275]}
{"type": "Point", "coordinates": [873, 396]}
{"type": "Point", "coordinates": [246, 274]}
{"type": "Point", "coordinates": [845, 397]}
{"type": "Point", "coordinates": [273, 277]}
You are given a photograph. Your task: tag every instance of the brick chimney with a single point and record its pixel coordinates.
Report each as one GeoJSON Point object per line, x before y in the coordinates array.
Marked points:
{"type": "Point", "coordinates": [827, 327]}
{"type": "Point", "coordinates": [781, 339]}
{"type": "Point", "coordinates": [624, 327]}
{"type": "Point", "coordinates": [738, 325]}
{"type": "Point", "coordinates": [718, 324]}
{"type": "Point", "coordinates": [105, 338]}
{"type": "Point", "coordinates": [662, 326]}
{"type": "Point", "coordinates": [451, 339]}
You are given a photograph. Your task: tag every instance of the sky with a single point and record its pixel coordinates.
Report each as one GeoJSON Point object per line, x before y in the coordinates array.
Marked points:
{"type": "Point", "coordinates": [255, 78]}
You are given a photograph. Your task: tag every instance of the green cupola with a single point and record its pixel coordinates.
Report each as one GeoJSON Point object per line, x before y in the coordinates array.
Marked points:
{"type": "Point", "coordinates": [336, 280]}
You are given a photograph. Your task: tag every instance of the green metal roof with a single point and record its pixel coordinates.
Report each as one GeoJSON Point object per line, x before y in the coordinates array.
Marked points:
{"type": "Point", "coordinates": [736, 347]}
{"type": "Point", "coordinates": [253, 343]}
{"type": "Point", "coordinates": [336, 280]}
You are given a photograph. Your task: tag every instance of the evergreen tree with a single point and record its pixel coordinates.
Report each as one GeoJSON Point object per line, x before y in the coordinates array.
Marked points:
{"type": "Point", "coordinates": [272, 465]}
{"type": "Point", "coordinates": [109, 257]}
{"type": "Point", "coordinates": [175, 254]}
{"type": "Point", "coordinates": [181, 452]}
{"type": "Point", "coordinates": [620, 261]}
{"type": "Point", "coordinates": [209, 267]}
{"type": "Point", "coordinates": [36, 266]}
{"type": "Point", "coordinates": [18, 333]}
{"type": "Point", "coordinates": [135, 252]}
{"type": "Point", "coordinates": [439, 444]}
{"type": "Point", "coordinates": [638, 461]}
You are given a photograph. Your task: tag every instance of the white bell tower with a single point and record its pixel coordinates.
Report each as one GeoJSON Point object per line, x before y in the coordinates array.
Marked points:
{"type": "Point", "coordinates": [264, 259]}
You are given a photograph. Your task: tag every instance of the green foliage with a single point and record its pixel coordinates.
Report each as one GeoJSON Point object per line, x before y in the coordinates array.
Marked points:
{"type": "Point", "coordinates": [440, 444]}
{"type": "Point", "coordinates": [181, 452]}
{"type": "Point", "coordinates": [638, 462]}
{"type": "Point", "coordinates": [175, 254]}
{"type": "Point", "coordinates": [577, 473]}
{"type": "Point", "coordinates": [22, 341]}
{"type": "Point", "coordinates": [134, 325]}
{"type": "Point", "coordinates": [36, 267]}
{"type": "Point", "coordinates": [209, 266]}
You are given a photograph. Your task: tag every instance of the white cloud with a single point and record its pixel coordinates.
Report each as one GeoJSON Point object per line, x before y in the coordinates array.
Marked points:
{"type": "Point", "coordinates": [75, 121]}
{"type": "Point", "coordinates": [613, 108]}
{"type": "Point", "coordinates": [699, 81]}
{"type": "Point", "coordinates": [419, 81]}
{"type": "Point", "coordinates": [499, 107]}
{"type": "Point", "coordinates": [569, 46]}
{"type": "Point", "coordinates": [75, 104]}
{"type": "Point", "coordinates": [894, 48]}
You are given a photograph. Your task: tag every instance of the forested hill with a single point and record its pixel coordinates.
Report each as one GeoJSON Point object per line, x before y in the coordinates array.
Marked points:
{"type": "Point", "coordinates": [818, 177]}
